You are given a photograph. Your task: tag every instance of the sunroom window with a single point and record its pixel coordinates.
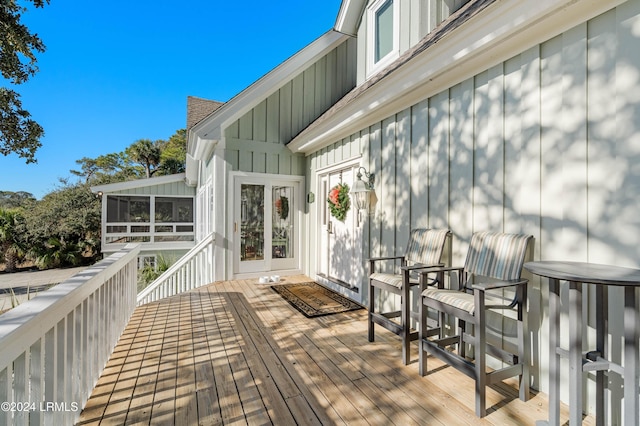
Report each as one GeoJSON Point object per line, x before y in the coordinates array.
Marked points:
{"type": "Point", "coordinates": [128, 209]}
{"type": "Point", "coordinates": [383, 34]}
{"type": "Point", "coordinates": [174, 209]}
{"type": "Point", "coordinates": [148, 219]}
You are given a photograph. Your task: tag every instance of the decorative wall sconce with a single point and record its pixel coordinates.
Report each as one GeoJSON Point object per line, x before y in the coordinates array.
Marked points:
{"type": "Point", "coordinates": [363, 192]}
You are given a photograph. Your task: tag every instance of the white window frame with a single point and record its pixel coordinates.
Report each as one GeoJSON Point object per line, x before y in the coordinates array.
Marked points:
{"type": "Point", "coordinates": [204, 207]}
{"type": "Point", "coordinates": [150, 237]}
{"type": "Point", "coordinates": [147, 259]}
{"type": "Point", "coordinates": [372, 65]}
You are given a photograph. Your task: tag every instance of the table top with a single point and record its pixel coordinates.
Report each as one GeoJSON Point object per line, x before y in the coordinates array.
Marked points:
{"type": "Point", "coordinates": [591, 273]}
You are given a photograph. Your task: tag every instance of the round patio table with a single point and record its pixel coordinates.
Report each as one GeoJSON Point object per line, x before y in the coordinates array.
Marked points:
{"type": "Point", "coordinates": [577, 274]}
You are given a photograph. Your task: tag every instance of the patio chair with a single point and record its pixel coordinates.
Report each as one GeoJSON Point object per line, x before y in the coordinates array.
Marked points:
{"type": "Point", "coordinates": [424, 249]}
{"type": "Point", "coordinates": [489, 280]}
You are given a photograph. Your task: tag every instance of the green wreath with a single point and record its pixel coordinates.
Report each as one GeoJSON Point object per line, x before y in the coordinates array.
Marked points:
{"type": "Point", "coordinates": [339, 201]}
{"type": "Point", "coordinates": [282, 207]}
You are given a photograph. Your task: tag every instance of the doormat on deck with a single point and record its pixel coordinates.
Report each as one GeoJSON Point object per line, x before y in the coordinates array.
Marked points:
{"type": "Point", "coordinates": [314, 300]}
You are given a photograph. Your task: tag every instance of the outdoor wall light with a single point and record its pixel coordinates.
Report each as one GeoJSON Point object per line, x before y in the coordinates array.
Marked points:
{"type": "Point", "coordinates": [362, 192]}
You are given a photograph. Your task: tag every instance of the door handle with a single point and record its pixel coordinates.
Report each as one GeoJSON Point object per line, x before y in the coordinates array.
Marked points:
{"type": "Point", "coordinates": [330, 227]}
{"type": "Point", "coordinates": [235, 226]}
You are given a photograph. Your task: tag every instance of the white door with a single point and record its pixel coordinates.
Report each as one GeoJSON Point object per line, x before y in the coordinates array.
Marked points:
{"type": "Point", "coordinates": [339, 257]}
{"type": "Point", "coordinates": [266, 221]}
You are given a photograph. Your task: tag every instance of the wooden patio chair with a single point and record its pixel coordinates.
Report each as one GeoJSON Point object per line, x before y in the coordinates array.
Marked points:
{"type": "Point", "coordinates": [489, 280]}
{"type": "Point", "coordinates": [424, 249]}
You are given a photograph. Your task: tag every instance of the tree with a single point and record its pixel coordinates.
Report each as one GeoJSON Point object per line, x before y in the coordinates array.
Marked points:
{"type": "Point", "coordinates": [14, 200]}
{"type": "Point", "coordinates": [11, 248]}
{"type": "Point", "coordinates": [107, 168]}
{"type": "Point", "coordinates": [143, 158]}
{"type": "Point", "coordinates": [173, 154]}
{"type": "Point", "coordinates": [146, 153]}
{"type": "Point", "coordinates": [70, 213]}
{"type": "Point", "coordinates": [18, 47]}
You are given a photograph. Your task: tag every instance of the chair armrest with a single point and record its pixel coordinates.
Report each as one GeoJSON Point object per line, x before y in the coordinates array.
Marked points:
{"type": "Point", "coordinates": [483, 287]}
{"type": "Point", "coordinates": [498, 284]}
{"type": "Point", "coordinates": [375, 259]}
{"type": "Point", "coordinates": [439, 270]}
{"type": "Point", "coordinates": [442, 269]}
{"type": "Point", "coordinates": [419, 266]}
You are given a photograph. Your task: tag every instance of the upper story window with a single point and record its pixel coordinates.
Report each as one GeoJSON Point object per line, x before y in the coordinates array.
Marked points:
{"type": "Point", "coordinates": [383, 34]}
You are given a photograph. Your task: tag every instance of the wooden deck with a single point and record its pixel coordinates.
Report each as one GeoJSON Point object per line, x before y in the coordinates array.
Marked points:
{"type": "Point", "coordinates": [237, 353]}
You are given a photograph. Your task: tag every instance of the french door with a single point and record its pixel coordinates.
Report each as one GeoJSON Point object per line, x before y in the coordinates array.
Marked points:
{"type": "Point", "coordinates": [266, 223]}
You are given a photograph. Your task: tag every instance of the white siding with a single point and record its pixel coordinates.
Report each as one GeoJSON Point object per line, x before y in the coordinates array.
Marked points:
{"type": "Point", "coordinates": [256, 142]}
{"type": "Point", "coordinates": [545, 143]}
{"type": "Point", "coordinates": [170, 189]}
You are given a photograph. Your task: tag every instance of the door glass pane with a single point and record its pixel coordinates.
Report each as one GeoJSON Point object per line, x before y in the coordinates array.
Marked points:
{"type": "Point", "coordinates": [251, 222]}
{"type": "Point", "coordinates": [283, 217]}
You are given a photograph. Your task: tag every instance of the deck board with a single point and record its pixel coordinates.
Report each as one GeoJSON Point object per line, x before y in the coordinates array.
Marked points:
{"type": "Point", "coordinates": [236, 353]}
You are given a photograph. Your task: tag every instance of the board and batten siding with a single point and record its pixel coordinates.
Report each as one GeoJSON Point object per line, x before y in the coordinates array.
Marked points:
{"type": "Point", "coordinates": [256, 142]}
{"type": "Point", "coordinates": [416, 19]}
{"type": "Point", "coordinates": [168, 189]}
{"type": "Point", "coordinates": [546, 143]}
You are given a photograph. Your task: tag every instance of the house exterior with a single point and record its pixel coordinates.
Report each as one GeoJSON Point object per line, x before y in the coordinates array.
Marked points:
{"type": "Point", "coordinates": [514, 116]}
{"type": "Point", "coordinates": [158, 213]}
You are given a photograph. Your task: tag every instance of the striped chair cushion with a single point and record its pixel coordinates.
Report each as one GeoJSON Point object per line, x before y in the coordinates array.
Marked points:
{"type": "Point", "coordinates": [425, 246]}
{"type": "Point", "coordinates": [460, 299]}
{"type": "Point", "coordinates": [497, 255]}
{"type": "Point", "coordinates": [391, 279]}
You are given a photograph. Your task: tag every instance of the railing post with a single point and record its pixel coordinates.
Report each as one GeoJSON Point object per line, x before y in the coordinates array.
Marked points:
{"type": "Point", "coordinates": [54, 347]}
{"type": "Point", "coordinates": [189, 272]}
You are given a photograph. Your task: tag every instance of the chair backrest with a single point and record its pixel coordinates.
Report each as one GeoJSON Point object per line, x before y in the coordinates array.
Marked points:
{"type": "Point", "coordinates": [497, 255]}
{"type": "Point", "coordinates": [425, 246]}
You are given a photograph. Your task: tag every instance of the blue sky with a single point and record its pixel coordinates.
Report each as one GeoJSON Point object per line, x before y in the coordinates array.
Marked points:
{"type": "Point", "coordinates": [118, 71]}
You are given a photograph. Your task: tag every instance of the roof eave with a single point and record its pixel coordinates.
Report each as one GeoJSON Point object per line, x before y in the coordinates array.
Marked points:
{"type": "Point", "coordinates": [139, 183]}
{"type": "Point", "coordinates": [349, 16]}
{"type": "Point", "coordinates": [211, 129]}
{"type": "Point", "coordinates": [494, 35]}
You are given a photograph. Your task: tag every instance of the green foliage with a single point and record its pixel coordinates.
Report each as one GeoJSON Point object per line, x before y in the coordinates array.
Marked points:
{"type": "Point", "coordinates": [14, 200]}
{"type": "Point", "coordinates": [173, 154]}
{"type": "Point", "coordinates": [339, 201]}
{"type": "Point", "coordinates": [282, 207]}
{"type": "Point", "coordinates": [149, 273]}
{"type": "Point", "coordinates": [18, 47]}
{"type": "Point", "coordinates": [64, 227]}
{"type": "Point", "coordinates": [141, 159]}
{"type": "Point", "coordinates": [18, 132]}
{"type": "Point", "coordinates": [56, 253]}
{"type": "Point", "coordinates": [11, 242]}
{"type": "Point", "coordinates": [17, 43]}
{"type": "Point", "coordinates": [107, 168]}
{"type": "Point", "coordinates": [145, 153]}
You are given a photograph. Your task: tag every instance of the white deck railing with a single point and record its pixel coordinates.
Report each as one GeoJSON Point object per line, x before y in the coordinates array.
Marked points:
{"type": "Point", "coordinates": [192, 270]}
{"type": "Point", "coordinates": [54, 347]}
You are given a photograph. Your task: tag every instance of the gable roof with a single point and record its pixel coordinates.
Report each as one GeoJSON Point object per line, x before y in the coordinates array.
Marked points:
{"type": "Point", "coordinates": [315, 131]}
{"type": "Point", "coordinates": [204, 135]}
{"type": "Point", "coordinates": [199, 109]}
{"type": "Point", "coordinates": [481, 34]}
{"type": "Point", "coordinates": [349, 16]}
